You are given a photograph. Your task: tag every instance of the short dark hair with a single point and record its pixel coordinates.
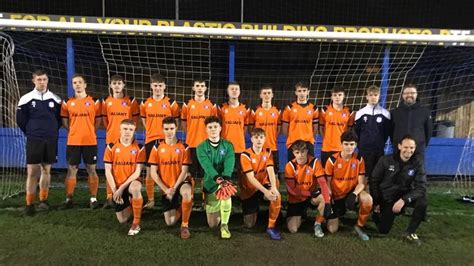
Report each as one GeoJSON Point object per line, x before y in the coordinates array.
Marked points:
{"type": "Point", "coordinates": [77, 75]}
{"type": "Point", "coordinates": [301, 84]}
{"type": "Point", "coordinates": [212, 119]}
{"type": "Point", "coordinates": [299, 145]}
{"type": "Point", "coordinates": [199, 80]}
{"type": "Point", "coordinates": [407, 136]}
{"type": "Point", "coordinates": [169, 120]}
{"type": "Point", "coordinates": [39, 72]}
{"type": "Point", "coordinates": [409, 85]}
{"type": "Point", "coordinates": [337, 89]}
{"type": "Point", "coordinates": [157, 78]}
{"type": "Point", "coordinates": [349, 136]}
{"type": "Point", "coordinates": [117, 78]}
{"type": "Point", "coordinates": [265, 87]}
{"type": "Point", "coordinates": [257, 131]}
{"type": "Point", "coordinates": [128, 122]}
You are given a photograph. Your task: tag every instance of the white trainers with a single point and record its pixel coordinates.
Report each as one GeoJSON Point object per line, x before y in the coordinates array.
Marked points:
{"type": "Point", "coordinates": [135, 229]}
{"type": "Point", "coordinates": [318, 230]}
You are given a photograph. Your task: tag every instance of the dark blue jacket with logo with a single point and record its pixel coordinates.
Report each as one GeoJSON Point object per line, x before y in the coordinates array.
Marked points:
{"type": "Point", "coordinates": [393, 179]}
{"type": "Point", "coordinates": [372, 125]}
{"type": "Point", "coordinates": [38, 114]}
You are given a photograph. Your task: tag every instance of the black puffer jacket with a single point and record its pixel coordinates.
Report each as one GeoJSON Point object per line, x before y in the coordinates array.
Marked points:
{"type": "Point", "coordinates": [414, 120]}
{"type": "Point", "coordinates": [393, 179]}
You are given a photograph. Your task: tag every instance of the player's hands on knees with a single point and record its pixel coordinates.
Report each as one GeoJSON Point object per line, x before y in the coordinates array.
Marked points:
{"type": "Point", "coordinates": [275, 192]}
{"type": "Point", "coordinates": [170, 193]}
{"type": "Point", "coordinates": [118, 196]}
{"type": "Point", "coordinates": [269, 195]}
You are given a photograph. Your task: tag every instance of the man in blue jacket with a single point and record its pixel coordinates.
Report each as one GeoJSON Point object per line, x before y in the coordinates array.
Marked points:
{"type": "Point", "coordinates": [398, 181]}
{"type": "Point", "coordinates": [38, 117]}
{"type": "Point", "coordinates": [411, 118]}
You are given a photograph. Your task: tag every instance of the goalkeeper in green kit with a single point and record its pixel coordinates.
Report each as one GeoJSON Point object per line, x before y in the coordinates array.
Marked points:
{"type": "Point", "coordinates": [216, 157]}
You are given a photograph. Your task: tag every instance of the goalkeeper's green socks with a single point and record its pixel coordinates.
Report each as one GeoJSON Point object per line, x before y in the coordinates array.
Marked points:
{"type": "Point", "coordinates": [226, 208]}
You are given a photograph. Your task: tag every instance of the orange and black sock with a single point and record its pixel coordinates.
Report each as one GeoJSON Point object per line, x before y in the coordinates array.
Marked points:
{"type": "Point", "coordinates": [274, 211]}
{"type": "Point", "coordinates": [93, 185]}
{"type": "Point", "coordinates": [137, 210]}
{"type": "Point", "coordinates": [186, 207]}
{"type": "Point", "coordinates": [364, 212]}
{"type": "Point", "coordinates": [150, 188]}
{"type": "Point", "coordinates": [43, 195]}
{"type": "Point", "coordinates": [70, 186]}
{"type": "Point", "coordinates": [30, 199]}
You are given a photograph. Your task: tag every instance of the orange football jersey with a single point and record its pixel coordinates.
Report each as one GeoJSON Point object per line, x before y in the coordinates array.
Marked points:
{"type": "Point", "coordinates": [115, 111]}
{"type": "Point", "coordinates": [258, 164]}
{"type": "Point", "coordinates": [268, 120]}
{"type": "Point", "coordinates": [124, 159]}
{"type": "Point", "coordinates": [154, 112]}
{"type": "Point", "coordinates": [335, 123]}
{"type": "Point", "coordinates": [345, 174]}
{"type": "Point", "coordinates": [170, 159]}
{"type": "Point", "coordinates": [234, 120]}
{"type": "Point", "coordinates": [194, 113]}
{"type": "Point", "coordinates": [81, 115]}
{"type": "Point", "coordinates": [300, 121]}
{"type": "Point", "coordinates": [305, 176]}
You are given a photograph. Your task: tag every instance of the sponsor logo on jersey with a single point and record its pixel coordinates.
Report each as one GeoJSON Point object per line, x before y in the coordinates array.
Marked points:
{"type": "Point", "coordinates": [353, 166]}
{"type": "Point", "coordinates": [391, 168]}
{"type": "Point", "coordinates": [253, 160]}
{"type": "Point", "coordinates": [124, 103]}
{"type": "Point", "coordinates": [264, 158]}
{"type": "Point", "coordinates": [163, 150]}
{"type": "Point", "coordinates": [206, 106]}
{"type": "Point", "coordinates": [339, 165]}
{"type": "Point", "coordinates": [411, 172]}
{"type": "Point", "coordinates": [177, 150]}
{"type": "Point", "coordinates": [51, 104]}
{"type": "Point", "coordinates": [134, 152]}
{"type": "Point", "coordinates": [164, 105]}
{"type": "Point", "coordinates": [344, 115]}
{"type": "Point", "coordinates": [150, 104]}
{"type": "Point", "coordinates": [379, 119]}
{"type": "Point", "coordinates": [73, 104]}
{"type": "Point", "coordinates": [193, 106]}
{"type": "Point", "coordinates": [365, 119]}
{"type": "Point", "coordinates": [88, 104]}
{"type": "Point", "coordinates": [33, 103]}
{"type": "Point", "coordinates": [110, 103]}
{"type": "Point", "coordinates": [222, 152]}
{"type": "Point", "coordinates": [117, 150]}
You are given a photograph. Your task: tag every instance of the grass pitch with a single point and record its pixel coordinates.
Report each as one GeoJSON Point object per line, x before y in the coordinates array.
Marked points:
{"type": "Point", "coordinates": [83, 236]}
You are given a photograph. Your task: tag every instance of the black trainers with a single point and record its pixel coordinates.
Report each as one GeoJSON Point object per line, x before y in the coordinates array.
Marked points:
{"type": "Point", "coordinates": [94, 204]}
{"type": "Point", "coordinates": [30, 210]}
{"type": "Point", "coordinates": [43, 206]}
{"type": "Point", "coordinates": [67, 205]}
{"type": "Point", "coordinates": [109, 204]}
{"type": "Point", "coordinates": [413, 238]}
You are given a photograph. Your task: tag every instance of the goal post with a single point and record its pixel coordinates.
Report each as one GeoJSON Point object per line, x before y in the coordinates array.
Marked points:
{"type": "Point", "coordinates": [439, 61]}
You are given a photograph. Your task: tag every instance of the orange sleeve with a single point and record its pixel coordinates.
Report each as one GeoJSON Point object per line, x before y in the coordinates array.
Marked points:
{"type": "Point", "coordinates": [316, 116]}
{"type": "Point", "coordinates": [184, 112]}
{"type": "Point", "coordinates": [64, 111]}
{"type": "Point", "coordinates": [246, 163]}
{"type": "Point", "coordinates": [318, 171]}
{"type": "Point", "coordinates": [289, 172]}
{"type": "Point", "coordinates": [247, 116]}
{"type": "Point", "coordinates": [108, 155]}
{"type": "Point", "coordinates": [329, 168]}
{"type": "Point", "coordinates": [322, 117]}
{"type": "Point", "coordinates": [153, 159]}
{"type": "Point", "coordinates": [134, 108]}
{"type": "Point", "coordinates": [252, 118]}
{"type": "Point", "coordinates": [142, 155]}
{"type": "Point", "coordinates": [285, 117]}
{"type": "Point", "coordinates": [104, 108]}
{"type": "Point", "coordinates": [98, 108]}
{"type": "Point", "coordinates": [143, 110]}
{"type": "Point", "coordinates": [175, 109]}
{"type": "Point", "coordinates": [187, 156]}
{"type": "Point", "coordinates": [214, 110]}
{"type": "Point", "coordinates": [350, 123]}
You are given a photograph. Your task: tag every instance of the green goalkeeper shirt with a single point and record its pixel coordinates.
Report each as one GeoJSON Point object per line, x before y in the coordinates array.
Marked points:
{"type": "Point", "coordinates": [216, 161]}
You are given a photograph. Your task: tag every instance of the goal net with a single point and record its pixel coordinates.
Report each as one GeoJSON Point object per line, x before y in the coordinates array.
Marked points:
{"type": "Point", "coordinates": [444, 75]}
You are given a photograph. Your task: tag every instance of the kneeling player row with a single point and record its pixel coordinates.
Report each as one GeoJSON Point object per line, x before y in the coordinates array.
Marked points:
{"type": "Point", "coordinates": [306, 182]}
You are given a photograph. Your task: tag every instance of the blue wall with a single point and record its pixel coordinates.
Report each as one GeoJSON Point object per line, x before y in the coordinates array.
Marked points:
{"type": "Point", "coordinates": [442, 155]}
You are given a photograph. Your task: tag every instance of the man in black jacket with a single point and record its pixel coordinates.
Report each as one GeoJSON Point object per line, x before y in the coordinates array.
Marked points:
{"type": "Point", "coordinates": [411, 118]}
{"type": "Point", "coordinates": [398, 181]}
